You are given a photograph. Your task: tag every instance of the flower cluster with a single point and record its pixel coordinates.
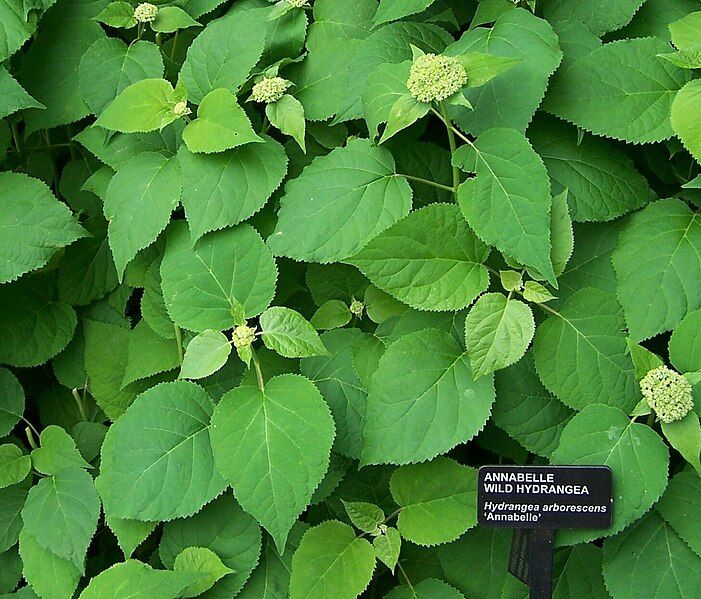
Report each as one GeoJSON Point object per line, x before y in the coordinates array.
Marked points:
{"type": "Point", "coordinates": [298, 3]}
{"type": "Point", "coordinates": [435, 77]}
{"type": "Point", "coordinates": [146, 12]}
{"type": "Point", "coordinates": [357, 308]}
{"type": "Point", "coordinates": [270, 89]}
{"type": "Point", "coordinates": [668, 393]}
{"type": "Point", "coordinates": [243, 336]}
{"type": "Point", "coordinates": [181, 109]}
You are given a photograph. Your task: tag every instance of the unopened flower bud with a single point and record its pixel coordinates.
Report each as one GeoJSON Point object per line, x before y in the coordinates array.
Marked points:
{"type": "Point", "coordinates": [146, 12]}
{"type": "Point", "coordinates": [435, 77]}
{"type": "Point", "coordinates": [269, 89]}
{"type": "Point", "coordinates": [243, 336]}
{"type": "Point", "coordinates": [298, 3]}
{"type": "Point", "coordinates": [357, 308]}
{"type": "Point", "coordinates": [668, 393]}
{"type": "Point", "coordinates": [181, 109]}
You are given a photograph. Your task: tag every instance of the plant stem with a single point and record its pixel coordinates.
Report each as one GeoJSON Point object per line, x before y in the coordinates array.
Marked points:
{"type": "Point", "coordinates": [425, 181]}
{"type": "Point", "coordinates": [175, 44]}
{"type": "Point", "coordinates": [403, 573]}
{"type": "Point", "coordinates": [31, 426]}
{"type": "Point", "coordinates": [16, 138]}
{"type": "Point", "coordinates": [81, 407]}
{"type": "Point", "coordinates": [179, 341]}
{"type": "Point", "coordinates": [30, 438]}
{"type": "Point", "coordinates": [259, 372]}
{"type": "Point", "coordinates": [651, 419]}
{"type": "Point", "coordinates": [453, 145]}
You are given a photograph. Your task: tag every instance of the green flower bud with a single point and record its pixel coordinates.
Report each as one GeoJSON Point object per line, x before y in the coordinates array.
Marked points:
{"type": "Point", "coordinates": [270, 89]}
{"type": "Point", "coordinates": [668, 393]}
{"type": "Point", "coordinates": [357, 308]}
{"type": "Point", "coordinates": [181, 109]}
{"type": "Point", "coordinates": [435, 77]}
{"type": "Point", "coordinates": [145, 12]}
{"type": "Point", "coordinates": [298, 3]}
{"type": "Point", "coordinates": [243, 336]}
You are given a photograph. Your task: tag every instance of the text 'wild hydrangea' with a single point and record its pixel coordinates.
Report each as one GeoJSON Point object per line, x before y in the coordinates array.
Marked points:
{"type": "Point", "coordinates": [434, 77]}
{"type": "Point", "coordinates": [270, 89]}
{"type": "Point", "coordinates": [668, 393]}
{"type": "Point", "coordinates": [146, 12]}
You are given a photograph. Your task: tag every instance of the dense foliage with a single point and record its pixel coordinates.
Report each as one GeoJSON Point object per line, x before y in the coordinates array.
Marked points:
{"type": "Point", "coordinates": [275, 279]}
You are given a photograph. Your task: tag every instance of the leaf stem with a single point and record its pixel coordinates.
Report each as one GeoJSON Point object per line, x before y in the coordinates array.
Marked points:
{"type": "Point", "coordinates": [425, 181]}
{"type": "Point", "coordinates": [175, 43]}
{"type": "Point", "coordinates": [79, 401]}
{"type": "Point", "coordinates": [179, 341]}
{"type": "Point", "coordinates": [403, 573]}
{"type": "Point", "coordinates": [31, 426]}
{"type": "Point", "coordinates": [650, 419]}
{"type": "Point", "coordinates": [259, 372]}
{"type": "Point", "coordinates": [16, 138]}
{"type": "Point", "coordinates": [453, 145]}
{"type": "Point", "coordinates": [30, 438]}
{"type": "Point", "coordinates": [450, 126]}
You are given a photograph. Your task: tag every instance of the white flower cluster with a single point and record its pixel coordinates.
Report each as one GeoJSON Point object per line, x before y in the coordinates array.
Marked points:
{"type": "Point", "coordinates": [668, 393]}
{"type": "Point", "coordinates": [181, 109]}
{"type": "Point", "coordinates": [298, 3]}
{"type": "Point", "coordinates": [357, 308]}
{"type": "Point", "coordinates": [243, 336]}
{"type": "Point", "coordinates": [146, 12]}
{"type": "Point", "coordinates": [270, 89]}
{"type": "Point", "coordinates": [434, 77]}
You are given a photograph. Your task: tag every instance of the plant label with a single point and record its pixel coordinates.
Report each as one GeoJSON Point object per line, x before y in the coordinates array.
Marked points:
{"type": "Point", "coordinates": [544, 496]}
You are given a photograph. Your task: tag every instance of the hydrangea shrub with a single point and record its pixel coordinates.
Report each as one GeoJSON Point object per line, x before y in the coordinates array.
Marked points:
{"type": "Point", "coordinates": [276, 278]}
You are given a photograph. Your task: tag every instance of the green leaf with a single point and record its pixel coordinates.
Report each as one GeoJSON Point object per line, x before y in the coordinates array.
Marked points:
{"type": "Point", "coordinates": [685, 436]}
{"type": "Point", "coordinates": [482, 68]}
{"type": "Point", "coordinates": [171, 18]}
{"type": "Point", "coordinates": [11, 402]}
{"type": "Point", "coordinates": [284, 434]}
{"type": "Point", "coordinates": [138, 204]}
{"type": "Point", "coordinates": [429, 260]}
{"type": "Point", "coordinates": [685, 31]}
{"type": "Point", "coordinates": [331, 315]}
{"type": "Point", "coordinates": [603, 435]}
{"type": "Point", "coordinates": [205, 354]}
{"type": "Point", "coordinates": [338, 203]}
{"type": "Point", "coordinates": [365, 516]}
{"type": "Point", "coordinates": [405, 111]}
{"type": "Point", "coordinates": [680, 506]}
{"type": "Point", "coordinates": [337, 378]}
{"type": "Point", "coordinates": [685, 343]}
{"type": "Point", "coordinates": [385, 85]}
{"type": "Point", "coordinates": [581, 353]}
{"type": "Point", "coordinates": [650, 557]}
{"type": "Point", "coordinates": [228, 531]}
{"type": "Point", "coordinates": [61, 514]}
{"type": "Point", "coordinates": [387, 547]}
{"type": "Point", "coordinates": [225, 276]}
{"type": "Point", "coordinates": [437, 500]}
{"type": "Point", "coordinates": [147, 354]}
{"type": "Point", "coordinates": [393, 10]}
{"type": "Point", "coordinates": [160, 450]}
{"type": "Point", "coordinates": [118, 14]}
{"type": "Point", "coordinates": [138, 581]}
{"type": "Point", "coordinates": [686, 103]}
{"type": "Point", "coordinates": [14, 29]}
{"type": "Point", "coordinates": [13, 96]}
{"type": "Point", "coordinates": [601, 180]}
{"type": "Point", "coordinates": [331, 562]}
{"type": "Point", "coordinates": [536, 293]}
{"type": "Point", "coordinates": [33, 225]}
{"type": "Point", "coordinates": [143, 106]}
{"type": "Point", "coordinates": [508, 203]}
{"type": "Point", "coordinates": [110, 66]}
{"type": "Point", "coordinates": [429, 588]}
{"type": "Point", "coordinates": [526, 411]}
{"type": "Point", "coordinates": [517, 34]}
{"type": "Point", "coordinates": [287, 114]}
{"type": "Point", "coordinates": [601, 16]}
{"type": "Point", "coordinates": [202, 561]}
{"type": "Point", "coordinates": [213, 196]}
{"type": "Point", "coordinates": [620, 90]}
{"type": "Point", "coordinates": [130, 533]}
{"type": "Point", "coordinates": [288, 333]}
{"type": "Point", "coordinates": [423, 401]}
{"type": "Point", "coordinates": [656, 260]}
{"type": "Point", "coordinates": [34, 326]}
{"type": "Point", "coordinates": [50, 67]}
{"type": "Point", "coordinates": [381, 306]}
{"type": "Point", "coordinates": [497, 332]}
{"type": "Point", "coordinates": [223, 55]}
{"type": "Point", "coordinates": [45, 572]}
{"type": "Point", "coordinates": [14, 465]}
{"type": "Point", "coordinates": [643, 359]}
{"type": "Point", "coordinates": [221, 124]}
{"type": "Point", "coordinates": [57, 451]}
{"type": "Point", "coordinates": [12, 500]}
